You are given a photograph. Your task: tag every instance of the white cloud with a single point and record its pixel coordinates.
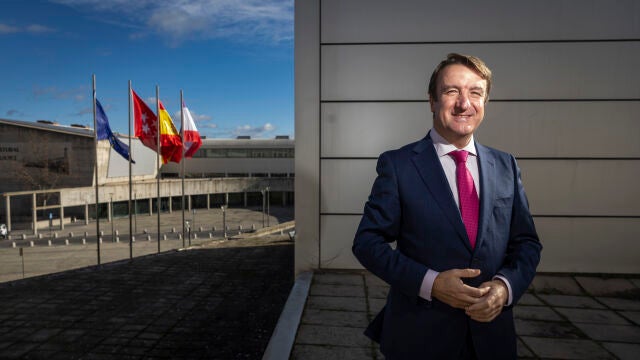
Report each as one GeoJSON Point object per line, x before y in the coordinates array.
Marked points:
{"type": "Point", "coordinates": [258, 20]}
{"type": "Point", "coordinates": [14, 112]}
{"type": "Point", "coordinates": [257, 131]}
{"type": "Point", "coordinates": [32, 29]}
{"type": "Point", "coordinates": [86, 111]}
{"type": "Point", "coordinates": [39, 29]}
{"type": "Point", "coordinates": [8, 29]}
{"type": "Point", "coordinates": [78, 94]}
{"type": "Point", "coordinates": [196, 117]}
{"type": "Point", "coordinates": [200, 117]}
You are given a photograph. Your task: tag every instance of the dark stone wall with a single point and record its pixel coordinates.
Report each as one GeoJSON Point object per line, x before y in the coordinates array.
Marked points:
{"type": "Point", "coordinates": [33, 159]}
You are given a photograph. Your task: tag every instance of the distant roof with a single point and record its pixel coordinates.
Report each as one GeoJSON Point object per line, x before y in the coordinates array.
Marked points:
{"type": "Point", "coordinates": [248, 143]}
{"type": "Point", "coordinates": [50, 126]}
{"type": "Point", "coordinates": [81, 130]}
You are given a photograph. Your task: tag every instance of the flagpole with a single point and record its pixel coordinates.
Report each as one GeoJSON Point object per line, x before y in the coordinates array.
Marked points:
{"type": "Point", "coordinates": [130, 179]}
{"type": "Point", "coordinates": [95, 141]}
{"type": "Point", "coordinates": [158, 160]}
{"type": "Point", "coordinates": [183, 160]}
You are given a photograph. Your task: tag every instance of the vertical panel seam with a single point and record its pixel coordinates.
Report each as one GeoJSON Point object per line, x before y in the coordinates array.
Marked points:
{"type": "Point", "coordinates": [319, 134]}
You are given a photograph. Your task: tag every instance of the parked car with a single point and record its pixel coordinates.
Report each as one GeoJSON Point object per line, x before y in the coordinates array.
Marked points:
{"type": "Point", "coordinates": [3, 231]}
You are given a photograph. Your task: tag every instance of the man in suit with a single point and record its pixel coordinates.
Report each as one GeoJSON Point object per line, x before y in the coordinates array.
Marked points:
{"type": "Point", "coordinates": [466, 245]}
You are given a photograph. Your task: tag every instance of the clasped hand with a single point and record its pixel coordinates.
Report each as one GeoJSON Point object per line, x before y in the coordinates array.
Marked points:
{"type": "Point", "coordinates": [482, 304]}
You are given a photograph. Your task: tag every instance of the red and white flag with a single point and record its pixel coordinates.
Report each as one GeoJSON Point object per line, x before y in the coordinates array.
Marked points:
{"type": "Point", "coordinates": [192, 141]}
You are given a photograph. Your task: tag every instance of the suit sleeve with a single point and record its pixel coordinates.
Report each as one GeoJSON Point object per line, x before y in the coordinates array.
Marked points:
{"type": "Point", "coordinates": [524, 247]}
{"type": "Point", "coordinates": [379, 226]}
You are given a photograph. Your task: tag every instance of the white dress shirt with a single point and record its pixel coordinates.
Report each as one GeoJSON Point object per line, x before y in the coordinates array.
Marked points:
{"type": "Point", "coordinates": [443, 148]}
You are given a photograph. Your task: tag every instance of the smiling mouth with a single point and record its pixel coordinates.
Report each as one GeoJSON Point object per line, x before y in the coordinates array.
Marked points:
{"type": "Point", "coordinates": [462, 117]}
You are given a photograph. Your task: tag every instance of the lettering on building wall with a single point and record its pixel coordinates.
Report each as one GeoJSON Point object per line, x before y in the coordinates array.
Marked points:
{"type": "Point", "coordinates": [9, 153]}
{"type": "Point", "coordinates": [53, 157]}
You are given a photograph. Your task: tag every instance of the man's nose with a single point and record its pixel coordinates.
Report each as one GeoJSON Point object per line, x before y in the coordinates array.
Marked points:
{"type": "Point", "coordinates": [462, 103]}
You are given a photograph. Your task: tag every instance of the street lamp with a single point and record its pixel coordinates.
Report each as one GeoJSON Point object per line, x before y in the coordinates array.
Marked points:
{"type": "Point", "coordinates": [113, 239]}
{"type": "Point", "coordinates": [188, 231]}
{"type": "Point", "coordinates": [224, 221]}
{"type": "Point", "coordinates": [263, 202]}
{"type": "Point", "coordinates": [268, 201]}
{"type": "Point", "coordinates": [135, 213]}
{"type": "Point", "coordinates": [193, 218]}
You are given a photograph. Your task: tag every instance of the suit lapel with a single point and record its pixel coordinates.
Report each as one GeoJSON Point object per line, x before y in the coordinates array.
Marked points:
{"type": "Point", "coordinates": [487, 190]}
{"type": "Point", "coordinates": [430, 169]}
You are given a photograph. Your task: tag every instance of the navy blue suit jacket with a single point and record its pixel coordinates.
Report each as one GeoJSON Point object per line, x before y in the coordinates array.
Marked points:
{"type": "Point", "coordinates": [411, 203]}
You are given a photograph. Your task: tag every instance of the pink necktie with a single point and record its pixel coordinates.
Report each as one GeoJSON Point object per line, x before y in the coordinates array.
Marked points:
{"type": "Point", "coordinates": [469, 203]}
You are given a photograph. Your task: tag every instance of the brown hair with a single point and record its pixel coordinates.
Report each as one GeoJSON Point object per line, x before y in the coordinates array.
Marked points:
{"type": "Point", "coordinates": [471, 62]}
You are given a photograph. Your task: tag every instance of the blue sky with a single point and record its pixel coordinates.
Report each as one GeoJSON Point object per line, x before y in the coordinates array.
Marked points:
{"type": "Point", "coordinates": [232, 58]}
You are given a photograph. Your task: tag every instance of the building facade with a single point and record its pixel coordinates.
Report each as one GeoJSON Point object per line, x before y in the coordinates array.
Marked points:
{"type": "Point", "coordinates": [243, 157]}
{"type": "Point", "coordinates": [564, 101]}
{"type": "Point", "coordinates": [43, 155]}
{"type": "Point", "coordinates": [47, 167]}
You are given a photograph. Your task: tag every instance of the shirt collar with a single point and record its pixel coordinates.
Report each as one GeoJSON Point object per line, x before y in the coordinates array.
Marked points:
{"type": "Point", "coordinates": [443, 147]}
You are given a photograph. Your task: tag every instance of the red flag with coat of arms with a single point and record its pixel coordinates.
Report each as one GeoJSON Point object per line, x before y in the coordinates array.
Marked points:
{"type": "Point", "coordinates": [146, 123]}
{"type": "Point", "coordinates": [146, 129]}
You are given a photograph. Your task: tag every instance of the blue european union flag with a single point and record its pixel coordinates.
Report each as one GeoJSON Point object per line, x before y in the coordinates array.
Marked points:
{"type": "Point", "coordinates": [104, 132]}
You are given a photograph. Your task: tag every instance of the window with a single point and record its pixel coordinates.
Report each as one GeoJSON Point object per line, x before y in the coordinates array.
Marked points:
{"type": "Point", "coordinates": [216, 153]}
{"type": "Point", "coordinates": [237, 153]}
{"type": "Point", "coordinates": [261, 153]}
{"type": "Point", "coordinates": [283, 153]}
{"type": "Point", "coordinates": [264, 153]}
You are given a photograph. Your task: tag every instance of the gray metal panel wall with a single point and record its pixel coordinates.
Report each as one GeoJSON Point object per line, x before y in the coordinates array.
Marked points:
{"type": "Point", "coordinates": [366, 21]}
{"type": "Point", "coordinates": [307, 125]}
{"type": "Point", "coordinates": [565, 101]}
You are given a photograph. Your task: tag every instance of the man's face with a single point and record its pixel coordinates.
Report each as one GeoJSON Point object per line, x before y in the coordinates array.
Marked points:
{"type": "Point", "coordinates": [459, 107]}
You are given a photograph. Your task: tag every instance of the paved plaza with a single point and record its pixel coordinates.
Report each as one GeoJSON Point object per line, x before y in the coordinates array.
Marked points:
{"type": "Point", "coordinates": [560, 317]}
{"type": "Point", "coordinates": [220, 300]}
{"type": "Point", "coordinates": [75, 246]}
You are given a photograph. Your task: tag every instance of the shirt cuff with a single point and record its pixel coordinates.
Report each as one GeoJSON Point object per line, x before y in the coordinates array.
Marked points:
{"type": "Point", "coordinates": [504, 280]}
{"type": "Point", "coordinates": [427, 284]}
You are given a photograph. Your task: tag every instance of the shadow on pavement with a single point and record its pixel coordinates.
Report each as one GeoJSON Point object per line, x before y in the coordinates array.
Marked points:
{"type": "Point", "coordinates": [217, 302]}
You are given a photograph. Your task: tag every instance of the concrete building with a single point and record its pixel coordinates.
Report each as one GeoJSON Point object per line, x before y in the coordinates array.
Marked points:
{"type": "Point", "coordinates": [239, 158]}
{"type": "Point", "coordinates": [565, 102]}
{"type": "Point", "coordinates": [242, 157]}
{"type": "Point", "coordinates": [37, 157]}
{"type": "Point", "coordinates": [48, 171]}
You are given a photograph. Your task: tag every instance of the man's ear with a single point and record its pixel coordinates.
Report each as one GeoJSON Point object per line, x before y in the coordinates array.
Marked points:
{"type": "Point", "coordinates": [431, 101]}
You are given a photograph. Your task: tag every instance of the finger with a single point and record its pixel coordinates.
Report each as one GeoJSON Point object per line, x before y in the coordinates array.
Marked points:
{"type": "Point", "coordinates": [468, 300]}
{"type": "Point", "coordinates": [477, 307]}
{"type": "Point", "coordinates": [485, 318]}
{"type": "Point", "coordinates": [484, 310]}
{"type": "Point", "coordinates": [460, 303]}
{"type": "Point", "coordinates": [474, 292]}
{"type": "Point", "coordinates": [482, 315]}
{"type": "Point", "coordinates": [466, 273]}
{"type": "Point", "coordinates": [484, 307]}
